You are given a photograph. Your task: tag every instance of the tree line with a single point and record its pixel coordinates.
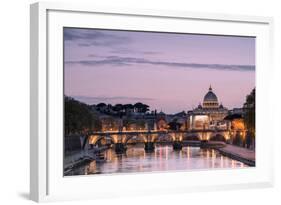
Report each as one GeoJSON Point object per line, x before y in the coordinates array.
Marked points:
{"type": "Point", "coordinates": [137, 107]}
{"type": "Point", "coordinates": [250, 113]}
{"type": "Point", "coordinates": [78, 117]}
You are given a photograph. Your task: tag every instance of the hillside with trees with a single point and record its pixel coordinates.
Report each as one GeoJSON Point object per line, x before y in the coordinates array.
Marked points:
{"type": "Point", "coordinates": [78, 117]}
{"type": "Point", "coordinates": [250, 115]}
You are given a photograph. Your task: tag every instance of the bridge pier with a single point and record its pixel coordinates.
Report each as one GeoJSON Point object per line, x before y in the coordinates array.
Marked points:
{"type": "Point", "coordinates": [177, 145]}
{"type": "Point", "coordinates": [203, 143]}
{"type": "Point", "coordinates": [149, 146]}
{"type": "Point", "coordinates": [120, 148]}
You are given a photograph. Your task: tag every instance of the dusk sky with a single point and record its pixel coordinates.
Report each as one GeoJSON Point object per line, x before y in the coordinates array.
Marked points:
{"type": "Point", "coordinates": [169, 72]}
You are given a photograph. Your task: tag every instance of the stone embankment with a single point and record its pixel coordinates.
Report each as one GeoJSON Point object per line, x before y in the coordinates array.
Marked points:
{"type": "Point", "coordinates": [78, 158]}
{"type": "Point", "coordinates": [241, 154]}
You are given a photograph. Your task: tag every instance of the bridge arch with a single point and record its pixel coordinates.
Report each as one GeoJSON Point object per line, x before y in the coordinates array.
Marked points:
{"type": "Point", "coordinates": [108, 138]}
{"type": "Point", "coordinates": [169, 137]}
{"type": "Point", "coordinates": [192, 137]}
{"type": "Point", "coordinates": [129, 137]}
{"type": "Point", "coordinates": [218, 137]}
{"type": "Point", "coordinates": [94, 139]}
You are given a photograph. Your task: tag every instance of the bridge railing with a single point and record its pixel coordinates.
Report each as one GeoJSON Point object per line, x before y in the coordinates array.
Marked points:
{"type": "Point", "coordinates": [155, 131]}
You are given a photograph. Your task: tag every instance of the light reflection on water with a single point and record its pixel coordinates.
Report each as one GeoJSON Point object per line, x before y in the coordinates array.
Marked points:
{"type": "Point", "coordinates": [164, 158]}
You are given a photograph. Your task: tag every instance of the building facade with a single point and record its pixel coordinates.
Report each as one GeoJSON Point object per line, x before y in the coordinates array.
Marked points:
{"type": "Point", "coordinates": [208, 115]}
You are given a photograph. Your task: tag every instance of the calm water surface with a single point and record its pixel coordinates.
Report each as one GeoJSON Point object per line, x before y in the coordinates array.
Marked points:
{"type": "Point", "coordinates": [164, 158]}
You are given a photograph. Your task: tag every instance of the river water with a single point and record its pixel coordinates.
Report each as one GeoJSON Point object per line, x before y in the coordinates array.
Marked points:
{"type": "Point", "coordinates": [164, 158]}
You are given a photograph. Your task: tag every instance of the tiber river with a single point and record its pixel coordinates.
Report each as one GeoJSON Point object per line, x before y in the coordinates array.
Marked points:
{"type": "Point", "coordinates": [164, 158]}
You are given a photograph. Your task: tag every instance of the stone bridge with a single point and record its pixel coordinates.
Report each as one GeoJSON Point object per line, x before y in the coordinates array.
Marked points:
{"type": "Point", "coordinates": [149, 138]}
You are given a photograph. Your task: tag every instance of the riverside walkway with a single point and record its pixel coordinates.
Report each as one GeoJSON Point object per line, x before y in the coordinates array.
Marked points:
{"type": "Point", "coordinates": [244, 155]}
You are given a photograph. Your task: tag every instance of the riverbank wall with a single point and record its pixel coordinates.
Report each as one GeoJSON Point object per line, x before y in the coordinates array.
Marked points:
{"type": "Point", "coordinates": [80, 157]}
{"type": "Point", "coordinates": [241, 154]}
{"type": "Point", "coordinates": [247, 156]}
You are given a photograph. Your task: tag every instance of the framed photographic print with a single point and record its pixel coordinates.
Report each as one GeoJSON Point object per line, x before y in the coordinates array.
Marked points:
{"type": "Point", "coordinates": [129, 97]}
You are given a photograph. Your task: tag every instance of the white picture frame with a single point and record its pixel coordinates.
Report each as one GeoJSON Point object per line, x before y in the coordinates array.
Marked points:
{"type": "Point", "coordinates": [46, 179]}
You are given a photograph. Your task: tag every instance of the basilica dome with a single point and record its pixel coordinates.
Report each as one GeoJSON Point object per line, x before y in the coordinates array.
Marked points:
{"type": "Point", "coordinates": [210, 99]}
{"type": "Point", "coordinates": [210, 96]}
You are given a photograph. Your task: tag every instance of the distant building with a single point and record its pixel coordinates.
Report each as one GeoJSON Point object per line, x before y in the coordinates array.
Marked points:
{"type": "Point", "coordinates": [239, 111]}
{"type": "Point", "coordinates": [210, 115]}
{"type": "Point", "coordinates": [161, 121]}
{"type": "Point", "coordinates": [237, 128]}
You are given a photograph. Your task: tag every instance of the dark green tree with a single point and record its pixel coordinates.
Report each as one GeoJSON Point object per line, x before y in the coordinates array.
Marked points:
{"type": "Point", "coordinates": [250, 113]}
{"type": "Point", "coordinates": [128, 106]}
{"type": "Point", "coordinates": [78, 117]}
{"type": "Point", "coordinates": [140, 107]}
{"type": "Point", "coordinates": [118, 108]}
